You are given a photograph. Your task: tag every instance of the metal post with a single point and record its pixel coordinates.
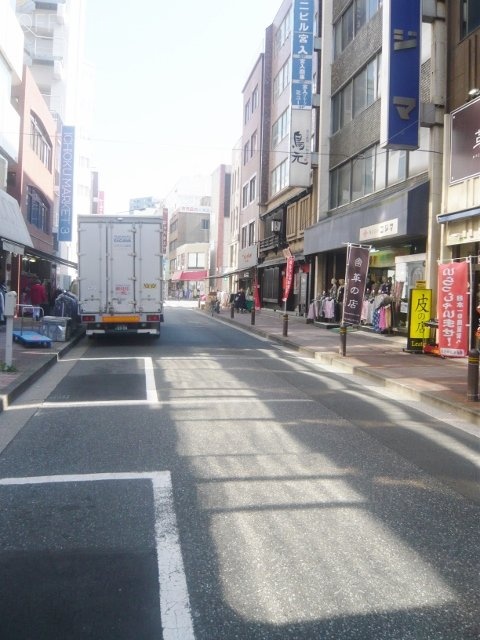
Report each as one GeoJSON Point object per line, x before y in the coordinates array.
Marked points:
{"type": "Point", "coordinates": [343, 340]}
{"type": "Point", "coordinates": [285, 324]}
{"type": "Point", "coordinates": [472, 375]}
{"type": "Point", "coordinates": [232, 311]}
{"type": "Point", "coordinates": [9, 312]}
{"type": "Point", "coordinates": [252, 314]}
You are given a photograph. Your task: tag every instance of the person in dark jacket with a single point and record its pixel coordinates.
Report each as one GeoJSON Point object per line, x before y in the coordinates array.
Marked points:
{"type": "Point", "coordinates": [240, 301]}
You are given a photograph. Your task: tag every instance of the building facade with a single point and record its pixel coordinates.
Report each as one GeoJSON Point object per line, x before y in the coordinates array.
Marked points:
{"type": "Point", "coordinates": [375, 191]}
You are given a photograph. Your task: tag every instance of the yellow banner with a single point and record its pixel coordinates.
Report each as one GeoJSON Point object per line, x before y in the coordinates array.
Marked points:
{"type": "Point", "coordinates": [420, 312]}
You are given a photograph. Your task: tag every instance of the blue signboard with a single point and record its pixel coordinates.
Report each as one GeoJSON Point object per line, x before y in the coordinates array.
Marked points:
{"type": "Point", "coordinates": [65, 214]}
{"type": "Point", "coordinates": [302, 53]}
{"type": "Point", "coordinates": [401, 76]}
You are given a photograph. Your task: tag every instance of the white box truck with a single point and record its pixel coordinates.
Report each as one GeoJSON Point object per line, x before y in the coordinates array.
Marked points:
{"type": "Point", "coordinates": [120, 274]}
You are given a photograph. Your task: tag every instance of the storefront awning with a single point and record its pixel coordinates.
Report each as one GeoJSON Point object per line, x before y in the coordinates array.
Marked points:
{"type": "Point", "coordinates": [458, 215]}
{"type": "Point", "coordinates": [185, 276]}
{"type": "Point", "coordinates": [13, 228]}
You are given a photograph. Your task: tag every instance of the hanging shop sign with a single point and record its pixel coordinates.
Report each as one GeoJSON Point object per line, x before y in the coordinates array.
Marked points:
{"type": "Point", "coordinates": [401, 74]}
{"type": "Point", "coordinates": [419, 312]}
{"type": "Point", "coordinates": [453, 309]}
{"type": "Point", "coordinates": [355, 282]}
{"type": "Point", "coordinates": [67, 154]}
{"type": "Point", "coordinates": [465, 142]}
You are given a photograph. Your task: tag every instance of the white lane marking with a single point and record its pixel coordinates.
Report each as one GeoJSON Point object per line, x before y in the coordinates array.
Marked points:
{"type": "Point", "coordinates": [173, 593]}
{"type": "Point", "coordinates": [151, 388]}
{"type": "Point", "coordinates": [194, 402]}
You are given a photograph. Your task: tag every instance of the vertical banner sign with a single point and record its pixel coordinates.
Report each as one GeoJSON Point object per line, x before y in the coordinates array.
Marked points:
{"type": "Point", "coordinates": [288, 278]}
{"type": "Point", "coordinates": [453, 309]}
{"type": "Point", "coordinates": [65, 215]}
{"type": "Point", "coordinates": [401, 74]}
{"type": "Point", "coordinates": [302, 91]}
{"type": "Point", "coordinates": [419, 312]}
{"type": "Point", "coordinates": [355, 281]}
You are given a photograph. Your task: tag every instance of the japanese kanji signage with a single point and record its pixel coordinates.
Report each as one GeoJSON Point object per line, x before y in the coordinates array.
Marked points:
{"type": "Point", "coordinates": [302, 90]}
{"type": "Point", "coordinates": [302, 54]}
{"type": "Point", "coordinates": [453, 309]}
{"type": "Point", "coordinates": [420, 311]}
{"type": "Point", "coordinates": [355, 281]}
{"type": "Point", "coordinates": [300, 148]}
{"type": "Point", "coordinates": [401, 74]}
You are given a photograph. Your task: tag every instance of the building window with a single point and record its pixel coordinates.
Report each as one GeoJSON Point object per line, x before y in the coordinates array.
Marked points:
{"type": "Point", "coordinates": [281, 128]}
{"type": "Point", "coordinates": [251, 233]}
{"type": "Point", "coordinates": [253, 189]}
{"type": "Point", "coordinates": [283, 31]}
{"type": "Point", "coordinates": [246, 152]}
{"type": "Point", "coordinates": [247, 112]}
{"type": "Point", "coordinates": [281, 80]}
{"type": "Point", "coordinates": [373, 170]}
{"type": "Point", "coordinates": [40, 141]}
{"type": "Point", "coordinates": [205, 224]}
{"type": "Point", "coordinates": [279, 177]}
{"type": "Point", "coordinates": [351, 21]}
{"type": "Point", "coordinates": [244, 237]}
{"type": "Point", "coordinates": [254, 98]}
{"type": "Point", "coordinates": [470, 18]}
{"type": "Point", "coordinates": [245, 196]}
{"type": "Point", "coordinates": [253, 144]}
{"type": "Point", "coordinates": [196, 260]}
{"type": "Point", "coordinates": [357, 95]}
{"type": "Point", "coordinates": [38, 210]}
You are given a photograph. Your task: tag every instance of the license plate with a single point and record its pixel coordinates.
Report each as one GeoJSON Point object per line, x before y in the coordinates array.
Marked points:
{"type": "Point", "coordinates": [121, 327]}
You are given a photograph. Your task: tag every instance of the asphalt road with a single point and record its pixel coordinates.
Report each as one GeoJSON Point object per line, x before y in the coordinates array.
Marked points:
{"type": "Point", "coordinates": [212, 486]}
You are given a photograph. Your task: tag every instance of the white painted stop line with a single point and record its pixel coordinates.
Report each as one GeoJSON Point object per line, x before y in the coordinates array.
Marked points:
{"type": "Point", "coordinates": [174, 601]}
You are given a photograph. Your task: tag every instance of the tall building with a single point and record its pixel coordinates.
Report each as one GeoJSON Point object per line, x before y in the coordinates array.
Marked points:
{"type": "Point", "coordinates": [54, 41]}
{"type": "Point", "coordinates": [219, 228]}
{"type": "Point", "coordinates": [379, 175]}
{"type": "Point", "coordinates": [459, 214]}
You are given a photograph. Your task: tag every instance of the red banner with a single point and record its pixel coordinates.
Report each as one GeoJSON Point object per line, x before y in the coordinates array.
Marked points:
{"type": "Point", "coordinates": [453, 309]}
{"type": "Point", "coordinates": [288, 278]}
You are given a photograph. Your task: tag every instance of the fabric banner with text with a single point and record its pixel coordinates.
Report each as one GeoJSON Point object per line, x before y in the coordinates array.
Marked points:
{"type": "Point", "coordinates": [355, 281]}
{"type": "Point", "coordinates": [453, 309]}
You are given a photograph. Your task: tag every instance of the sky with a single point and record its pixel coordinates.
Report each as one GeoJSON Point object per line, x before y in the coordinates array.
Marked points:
{"type": "Point", "coordinates": [168, 88]}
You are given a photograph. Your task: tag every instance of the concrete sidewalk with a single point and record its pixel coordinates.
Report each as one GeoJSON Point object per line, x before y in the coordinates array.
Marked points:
{"type": "Point", "coordinates": [28, 364]}
{"type": "Point", "coordinates": [380, 358]}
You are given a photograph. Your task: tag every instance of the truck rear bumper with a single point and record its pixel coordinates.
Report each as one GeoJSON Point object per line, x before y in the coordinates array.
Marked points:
{"type": "Point", "coordinates": [99, 328]}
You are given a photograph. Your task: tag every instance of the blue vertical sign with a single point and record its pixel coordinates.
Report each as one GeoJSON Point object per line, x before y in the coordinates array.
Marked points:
{"type": "Point", "coordinates": [302, 54]}
{"type": "Point", "coordinates": [65, 214]}
{"type": "Point", "coordinates": [401, 74]}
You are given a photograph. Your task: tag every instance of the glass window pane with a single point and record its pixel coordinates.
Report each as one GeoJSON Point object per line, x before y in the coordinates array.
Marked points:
{"type": "Point", "coordinates": [347, 27]}
{"type": "Point", "coordinates": [358, 177]}
{"type": "Point", "coordinates": [344, 184]}
{"type": "Point", "coordinates": [418, 160]}
{"type": "Point", "coordinates": [369, 170]}
{"type": "Point", "coordinates": [336, 102]}
{"type": "Point", "coordinates": [359, 92]}
{"type": "Point", "coordinates": [346, 104]}
{"type": "Point", "coordinates": [360, 14]}
{"type": "Point", "coordinates": [371, 75]}
{"type": "Point", "coordinates": [380, 168]}
{"type": "Point", "coordinates": [397, 164]}
{"type": "Point", "coordinates": [333, 189]}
